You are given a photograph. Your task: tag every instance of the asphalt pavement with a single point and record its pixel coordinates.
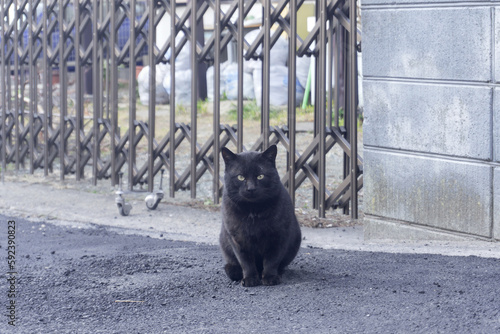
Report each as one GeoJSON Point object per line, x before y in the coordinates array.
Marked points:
{"type": "Point", "coordinates": [79, 267]}
{"type": "Point", "coordinates": [94, 280]}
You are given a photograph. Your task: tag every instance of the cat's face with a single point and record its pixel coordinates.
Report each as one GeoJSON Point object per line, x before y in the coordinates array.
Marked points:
{"type": "Point", "coordinates": [251, 176]}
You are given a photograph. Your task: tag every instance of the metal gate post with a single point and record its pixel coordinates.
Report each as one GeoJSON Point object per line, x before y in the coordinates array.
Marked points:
{"type": "Point", "coordinates": [266, 68]}
{"type": "Point", "coordinates": [3, 35]}
{"type": "Point", "coordinates": [63, 92]}
{"type": "Point", "coordinates": [114, 94]}
{"type": "Point", "coordinates": [132, 98]}
{"type": "Point", "coordinates": [216, 83]}
{"type": "Point", "coordinates": [194, 96]}
{"type": "Point", "coordinates": [96, 73]}
{"type": "Point", "coordinates": [353, 108]}
{"type": "Point", "coordinates": [16, 109]}
{"type": "Point", "coordinates": [45, 92]}
{"type": "Point", "coordinates": [152, 95]}
{"type": "Point", "coordinates": [241, 41]}
{"type": "Point", "coordinates": [33, 87]}
{"type": "Point", "coordinates": [321, 107]}
{"type": "Point", "coordinates": [292, 93]}
{"type": "Point", "coordinates": [171, 150]}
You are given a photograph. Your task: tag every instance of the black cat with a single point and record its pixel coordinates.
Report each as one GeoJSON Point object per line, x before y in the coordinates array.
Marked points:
{"type": "Point", "coordinates": [260, 234]}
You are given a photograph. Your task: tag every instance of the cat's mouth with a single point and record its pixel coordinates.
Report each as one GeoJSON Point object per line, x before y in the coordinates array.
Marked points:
{"type": "Point", "coordinates": [250, 196]}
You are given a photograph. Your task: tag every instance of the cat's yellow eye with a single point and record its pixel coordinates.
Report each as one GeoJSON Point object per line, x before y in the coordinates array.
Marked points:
{"type": "Point", "coordinates": [241, 178]}
{"type": "Point", "coordinates": [260, 177]}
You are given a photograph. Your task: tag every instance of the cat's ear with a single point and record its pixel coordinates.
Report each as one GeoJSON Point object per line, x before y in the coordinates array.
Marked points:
{"type": "Point", "coordinates": [271, 153]}
{"type": "Point", "coordinates": [227, 155]}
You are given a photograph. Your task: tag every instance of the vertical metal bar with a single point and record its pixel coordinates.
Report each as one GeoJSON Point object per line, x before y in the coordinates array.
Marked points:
{"type": "Point", "coordinates": [345, 103]}
{"type": "Point", "coordinates": [194, 97]}
{"type": "Point", "coordinates": [98, 16]}
{"type": "Point", "coordinates": [314, 80]}
{"type": "Point", "coordinates": [201, 70]}
{"type": "Point", "coordinates": [132, 98]}
{"type": "Point", "coordinates": [22, 104]}
{"type": "Point", "coordinates": [3, 36]}
{"type": "Point", "coordinates": [266, 68]}
{"type": "Point", "coordinates": [22, 82]}
{"type": "Point", "coordinates": [292, 77]}
{"type": "Point", "coordinates": [322, 108]}
{"type": "Point", "coordinates": [337, 64]}
{"type": "Point", "coordinates": [105, 53]}
{"type": "Point", "coordinates": [114, 94]}
{"type": "Point", "coordinates": [46, 79]}
{"type": "Point", "coordinates": [79, 92]}
{"type": "Point", "coordinates": [8, 60]}
{"type": "Point", "coordinates": [216, 149]}
{"type": "Point", "coordinates": [8, 78]}
{"type": "Point", "coordinates": [34, 92]}
{"type": "Point", "coordinates": [8, 91]}
{"type": "Point", "coordinates": [353, 109]}
{"type": "Point", "coordinates": [16, 110]}
{"type": "Point", "coordinates": [49, 96]}
{"type": "Point", "coordinates": [96, 91]}
{"type": "Point", "coordinates": [33, 86]}
{"type": "Point", "coordinates": [63, 91]}
{"type": "Point", "coordinates": [173, 128]}
{"type": "Point", "coordinates": [152, 94]}
{"type": "Point", "coordinates": [104, 70]}
{"type": "Point", "coordinates": [317, 112]}
{"type": "Point", "coordinates": [330, 74]}
{"type": "Point", "coordinates": [241, 39]}
{"type": "Point", "coordinates": [86, 44]}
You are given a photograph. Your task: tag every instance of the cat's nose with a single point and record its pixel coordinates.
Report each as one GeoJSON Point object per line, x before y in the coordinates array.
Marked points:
{"type": "Point", "coordinates": [251, 187]}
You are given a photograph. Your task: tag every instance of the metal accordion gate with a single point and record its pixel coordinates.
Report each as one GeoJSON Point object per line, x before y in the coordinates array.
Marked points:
{"type": "Point", "coordinates": [82, 136]}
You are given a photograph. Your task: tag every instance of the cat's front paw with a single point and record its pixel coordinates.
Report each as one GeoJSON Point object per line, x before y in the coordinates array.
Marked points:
{"type": "Point", "coordinates": [271, 280]}
{"type": "Point", "coordinates": [250, 281]}
{"type": "Point", "coordinates": [234, 272]}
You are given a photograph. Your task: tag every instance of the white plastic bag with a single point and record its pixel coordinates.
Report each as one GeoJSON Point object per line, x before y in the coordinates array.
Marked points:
{"type": "Point", "coordinates": [229, 82]}
{"type": "Point", "coordinates": [278, 87]}
{"type": "Point", "coordinates": [230, 75]}
{"type": "Point", "coordinates": [183, 59]}
{"type": "Point", "coordinates": [278, 92]}
{"type": "Point", "coordinates": [303, 64]}
{"type": "Point", "coordinates": [162, 97]}
{"type": "Point", "coordinates": [182, 86]}
{"type": "Point", "coordinates": [210, 81]}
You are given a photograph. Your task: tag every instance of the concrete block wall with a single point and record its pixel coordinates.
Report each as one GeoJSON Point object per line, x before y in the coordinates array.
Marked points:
{"type": "Point", "coordinates": [432, 118]}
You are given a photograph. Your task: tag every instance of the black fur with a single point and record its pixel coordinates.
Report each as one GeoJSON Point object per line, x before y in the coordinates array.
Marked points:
{"type": "Point", "coordinates": [260, 234]}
